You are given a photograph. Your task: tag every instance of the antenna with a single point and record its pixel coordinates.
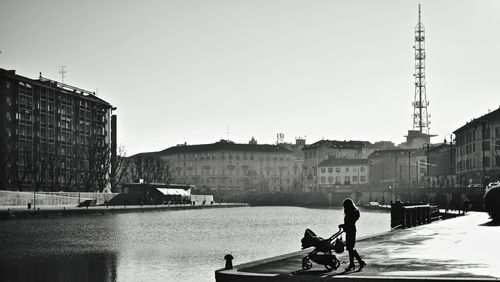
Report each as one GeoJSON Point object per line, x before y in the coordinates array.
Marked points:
{"type": "Point", "coordinates": [63, 73]}
{"type": "Point", "coordinates": [420, 103]}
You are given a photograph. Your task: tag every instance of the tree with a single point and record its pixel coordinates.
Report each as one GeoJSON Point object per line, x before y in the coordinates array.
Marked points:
{"type": "Point", "coordinates": [150, 168]}
{"type": "Point", "coordinates": [119, 167]}
{"type": "Point", "coordinates": [21, 166]}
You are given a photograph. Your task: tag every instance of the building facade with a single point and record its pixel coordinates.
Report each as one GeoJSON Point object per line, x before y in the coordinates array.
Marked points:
{"type": "Point", "coordinates": [478, 150]}
{"type": "Point", "coordinates": [50, 133]}
{"type": "Point", "coordinates": [441, 165]}
{"type": "Point", "coordinates": [227, 169]}
{"type": "Point", "coordinates": [398, 169]}
{"type": "Point", "coordinates": [322, 150]}
{"type": "Point", "coordinates": [343, 175]}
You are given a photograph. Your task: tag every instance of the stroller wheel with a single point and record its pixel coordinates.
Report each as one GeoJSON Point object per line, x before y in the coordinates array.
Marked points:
{"type": "Point", "coordinates": [306, 263]}
{"type": "Point", "coordinates": [337, 263]}
{"type": "Point", "coordinates": [333, 265]}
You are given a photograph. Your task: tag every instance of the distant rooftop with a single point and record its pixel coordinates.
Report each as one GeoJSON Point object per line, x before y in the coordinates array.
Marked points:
{"type": "Point", "coordinates": [224, 145]}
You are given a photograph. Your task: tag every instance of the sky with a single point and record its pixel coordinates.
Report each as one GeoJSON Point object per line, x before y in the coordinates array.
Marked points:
{"type": "Point", "coordinates": [198, 71]}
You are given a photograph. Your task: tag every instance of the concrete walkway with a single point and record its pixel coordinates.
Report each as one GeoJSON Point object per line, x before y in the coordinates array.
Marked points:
{"type": "Point", "coordinates": [465, 248]}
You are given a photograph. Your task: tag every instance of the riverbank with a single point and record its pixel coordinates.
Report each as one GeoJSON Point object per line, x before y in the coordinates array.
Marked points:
{"type": "Point", "coordinates": [16, 212]}
{"type": "Point", "coordinates": [460, 249]}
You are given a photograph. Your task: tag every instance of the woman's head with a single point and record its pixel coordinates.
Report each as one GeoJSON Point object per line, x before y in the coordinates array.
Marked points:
{"type": "Point", "coordinates": [349, 205]}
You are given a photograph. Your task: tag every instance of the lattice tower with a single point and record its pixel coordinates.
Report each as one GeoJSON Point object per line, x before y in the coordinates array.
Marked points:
{"type": "Point", "coordinates": [420, 103]}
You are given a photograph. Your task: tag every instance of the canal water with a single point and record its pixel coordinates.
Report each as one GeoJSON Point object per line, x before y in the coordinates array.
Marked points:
{"type": "Point", "coordinates": [184, 245]}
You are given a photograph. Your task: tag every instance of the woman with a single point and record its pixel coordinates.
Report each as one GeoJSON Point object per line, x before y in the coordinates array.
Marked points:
{"type": "Point", "coordinates": [351, 215]}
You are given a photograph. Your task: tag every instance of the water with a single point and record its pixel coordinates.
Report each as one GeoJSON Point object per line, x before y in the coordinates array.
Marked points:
{"type": "Point", "coordinates": [161, 246]}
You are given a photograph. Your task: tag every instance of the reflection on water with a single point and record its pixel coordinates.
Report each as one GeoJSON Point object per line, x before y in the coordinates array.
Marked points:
{"type": "Point", "coordinates": [77, 267]}
{"type": "Point", "coordinates": [160, 246]}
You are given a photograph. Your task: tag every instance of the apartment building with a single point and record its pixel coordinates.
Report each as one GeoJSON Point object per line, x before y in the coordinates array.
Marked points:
{"type": "Point", "coordinates": [343, 175]}
{"type": "Point", "coordinates": [228, 169]}
{"type": "Point", "coordinates": [478, 150]}
{"type": "Point", "coordinates": [47, 133]}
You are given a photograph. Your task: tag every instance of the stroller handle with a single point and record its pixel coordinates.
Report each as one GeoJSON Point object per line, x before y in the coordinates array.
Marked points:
{"type": "Point", "coordinates": [336, 234]}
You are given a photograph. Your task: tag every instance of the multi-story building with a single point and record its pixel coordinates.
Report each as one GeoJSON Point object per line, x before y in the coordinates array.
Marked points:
{"type": "Point", "coordinates": [398, 169]}
{"type": "Point", "coordinates": [49, 132]}
{"type": "Point", "coordinates": [343, 175]}
{"type": "Point", "coordinates": [478, 150]}
{"type": "Point", "coordinates": [322, 150]}
{"type": "Point", "coordinates": [441, 165]}
{"type": "Point", "coordinates": [229, 169]}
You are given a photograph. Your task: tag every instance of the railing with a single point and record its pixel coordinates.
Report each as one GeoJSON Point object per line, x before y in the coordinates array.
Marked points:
{"type": "Point", "coordinates": [409, 215]}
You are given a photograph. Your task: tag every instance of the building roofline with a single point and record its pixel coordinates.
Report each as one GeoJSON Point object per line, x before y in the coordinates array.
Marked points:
{"type": "Point", "coordinates": [55, 85]}
{"type": "Point", "coordinates": [477, 121]}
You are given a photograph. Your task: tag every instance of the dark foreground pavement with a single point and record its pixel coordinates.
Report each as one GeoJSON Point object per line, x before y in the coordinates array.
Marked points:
{"type": "Point", "coordinates": [465, 248]}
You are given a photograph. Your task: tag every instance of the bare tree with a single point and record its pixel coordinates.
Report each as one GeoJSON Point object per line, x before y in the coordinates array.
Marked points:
{"type": "Point", "coordinates": [150, 168]}
{"type": "Point", "coordinates": [54, 169]}
{"type": "Point", "coordinates": [87, 169]}
{"type": "Point", "coordinates": [119, 167]}
{"type": "Point", "coordinates": [102, 165]}
{"type": "Point", "coordinates": [21, 166]}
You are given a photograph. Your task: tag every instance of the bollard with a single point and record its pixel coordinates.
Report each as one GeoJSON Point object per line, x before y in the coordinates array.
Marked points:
{"type": "Point", "coordinates": [229, 261]}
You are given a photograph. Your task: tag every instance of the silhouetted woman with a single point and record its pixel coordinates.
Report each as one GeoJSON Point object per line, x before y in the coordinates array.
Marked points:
{"type": "Point", "coordinates": [351, 215]}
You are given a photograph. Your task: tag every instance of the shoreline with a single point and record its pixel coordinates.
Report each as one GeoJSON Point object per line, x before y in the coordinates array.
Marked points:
{"type": "Point", "coordinates": [13, 213]}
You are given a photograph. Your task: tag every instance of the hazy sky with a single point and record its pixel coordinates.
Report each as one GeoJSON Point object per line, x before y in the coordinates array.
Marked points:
{"type": "Point", "coordinates": [198, 71]}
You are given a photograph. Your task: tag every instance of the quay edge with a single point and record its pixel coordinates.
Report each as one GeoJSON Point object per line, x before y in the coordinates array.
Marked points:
{"type": "Point", "coordinates": [439, 251]}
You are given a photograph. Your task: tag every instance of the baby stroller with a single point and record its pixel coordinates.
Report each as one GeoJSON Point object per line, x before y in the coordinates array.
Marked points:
{"type": "Point", "coordinates": [322, 253]}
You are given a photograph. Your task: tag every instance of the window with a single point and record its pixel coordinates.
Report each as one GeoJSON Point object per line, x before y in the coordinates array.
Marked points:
{"type": "Point", "coordinates": [347, 180]}
{"type": "Point", "coordinates": [355, 179]}
{"type": "Point", "coordinates": [486, 161]}
{"type": "Point", "coordinates": [497, 132]}
{"type": "Point", "coordinates": [330, 169]}
{"type": "Point", "coordinates": [323, 170]}
{"type": "Point", "coordinates": [486, 145]}
{"type": "Point", "coordinates": [486, 131]}
{"type": "Point", "coordinates": [337, 169]}
{"type": "Point", "coordinates": [330, 179]}
{"type": "Point", "coordinates": [323, 179]}
{"type": "Point", "coordinates": [337, 180]}
{"type": "Point", "coordinates": [347, 169]}
{"type": "Point", "coordinates": [362, 168]}
{"type": "Point", "coordinates": [362, 178]}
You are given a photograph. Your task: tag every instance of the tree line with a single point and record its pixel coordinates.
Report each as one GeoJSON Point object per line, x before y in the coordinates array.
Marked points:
{"type": "Point", "coordinates": [94, 167]}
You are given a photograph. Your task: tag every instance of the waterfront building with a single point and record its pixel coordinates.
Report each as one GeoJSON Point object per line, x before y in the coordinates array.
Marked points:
{"type": "Point", "coordinates": [51, 134]}
{"type": "Point", "coordinates": [478, 150]}
{"type": "Point", "coordinates": [441, 165]}
{"type": "Point", "coordinates": [228, 169]}
{"type": "Point", "coordinates": [322, 150]}
{"type": "Point", "coordinates": [343, 175]}
{"type": "Point", "coordinates": [397, 169]}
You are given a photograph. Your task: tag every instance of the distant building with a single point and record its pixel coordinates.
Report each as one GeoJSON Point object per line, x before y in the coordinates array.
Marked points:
{"type": "Point", "coordinates": [478, 150]}
{"type": "Point", "coordinates": [441, 165]}
{"type": "Point", "coordinates": [343, 175]}
{"type": "Point", "coordinates": [416, 140]}
{"type": "Point", "coordinates": [228, 169]}
{"type": "Point", "coordinates": [322, 150]}
{"type": "Point", "coordinates": [47, 130]}
{"type": "Point", "coordinates": [397, 169]}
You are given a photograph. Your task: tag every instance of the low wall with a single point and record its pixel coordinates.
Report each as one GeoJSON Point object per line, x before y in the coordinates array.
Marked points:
{"type": "Point", "coordinates": [14, 198]}
{"type": "Point", "coordinates": [100, 198]}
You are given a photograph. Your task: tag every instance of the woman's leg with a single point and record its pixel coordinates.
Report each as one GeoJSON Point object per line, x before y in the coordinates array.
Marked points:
{"type": "Point", "coordinates": [358, 258]}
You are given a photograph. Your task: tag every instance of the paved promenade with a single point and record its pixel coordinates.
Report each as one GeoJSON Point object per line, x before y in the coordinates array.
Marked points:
{"type": "Point", "coordinates": [465, 248]}
{"type": "Point", "coordinates": [17, 212]}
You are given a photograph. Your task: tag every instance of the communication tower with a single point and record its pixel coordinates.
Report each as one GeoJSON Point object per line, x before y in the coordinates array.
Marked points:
{"type": "Point", "coordinates": [420, 114]}
{"type": "Point", "coordinates": [419, 135]}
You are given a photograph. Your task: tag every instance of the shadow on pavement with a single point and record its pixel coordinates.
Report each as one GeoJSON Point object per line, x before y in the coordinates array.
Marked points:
{"type": "Point", "coordinates": [490, 223]}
